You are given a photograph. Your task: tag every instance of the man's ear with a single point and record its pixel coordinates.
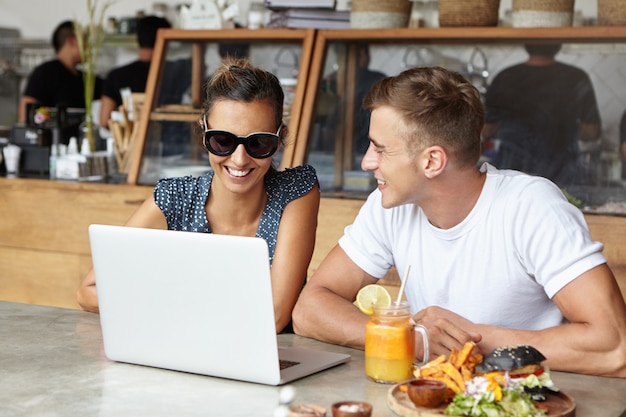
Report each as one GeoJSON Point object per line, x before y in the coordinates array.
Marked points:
{"type": "Point", "coordinates": [435, 159]}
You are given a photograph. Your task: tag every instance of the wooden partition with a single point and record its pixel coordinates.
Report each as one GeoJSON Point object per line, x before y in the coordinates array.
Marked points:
{"type": "Point", "coordinates": [44, 243]}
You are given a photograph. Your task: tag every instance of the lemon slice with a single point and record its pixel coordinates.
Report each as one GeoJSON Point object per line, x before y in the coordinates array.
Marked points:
{"type": "Point", "coordinates": [370, 295]}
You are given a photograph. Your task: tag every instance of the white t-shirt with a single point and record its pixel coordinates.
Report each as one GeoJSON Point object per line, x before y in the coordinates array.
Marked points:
{"type": "Point", "coordinates": [520, 244]}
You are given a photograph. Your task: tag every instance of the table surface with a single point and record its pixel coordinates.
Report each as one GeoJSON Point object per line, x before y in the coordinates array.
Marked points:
{"type": "Point", "coordinates": [52, 363]}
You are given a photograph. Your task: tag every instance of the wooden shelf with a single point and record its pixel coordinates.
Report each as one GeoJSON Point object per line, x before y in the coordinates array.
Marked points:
{"type": "Point", "coordinates": [199, 39]}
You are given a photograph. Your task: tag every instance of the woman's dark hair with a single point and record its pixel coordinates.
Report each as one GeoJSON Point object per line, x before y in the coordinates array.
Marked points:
{"type": "Point", "coordinates": [239, 80]}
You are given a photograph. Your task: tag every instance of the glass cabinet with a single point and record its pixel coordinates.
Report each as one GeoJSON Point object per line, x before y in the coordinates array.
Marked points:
{"type": "Point", "coordinates": [168, 140]}
{"type": "Point", "coordinates": [326, 73]}
{"type": "Point", "coordinates": [333, 129]}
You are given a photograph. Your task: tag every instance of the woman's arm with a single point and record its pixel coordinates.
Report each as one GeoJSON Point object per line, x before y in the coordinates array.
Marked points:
{"type": "Point", "coordinates": [294, 248]}
{"type": "Point", "coordinates": [148, 215]}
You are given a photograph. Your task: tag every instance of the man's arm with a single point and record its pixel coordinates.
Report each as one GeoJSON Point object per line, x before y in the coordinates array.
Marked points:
{"type": "Point", "coordinates": [592, 342]}
{"type": "Point", "coordinates": [107, 105]}
{"type": "Point", "coordinates": [325, 309]}
{"type": "Point", "coordinates": [21, 111]}
{"type": "Point", "coordinates": [590, 131]}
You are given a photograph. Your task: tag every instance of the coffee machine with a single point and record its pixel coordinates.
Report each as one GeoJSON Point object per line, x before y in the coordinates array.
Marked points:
{"type": "Point", "coordinates": [44, 127]}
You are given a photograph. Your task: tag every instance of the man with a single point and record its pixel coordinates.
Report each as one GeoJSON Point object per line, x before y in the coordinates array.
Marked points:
{"type": "Point", "coordinates": [497, 257]}
{"type": "Point", "coordinates": [57, 82]}
{"type": "Point", "coordinates": [540, 110]}
{"type": "Point", "coordinates": [135, 74]}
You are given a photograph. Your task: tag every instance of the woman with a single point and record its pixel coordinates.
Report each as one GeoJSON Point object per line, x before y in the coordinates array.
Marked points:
{"type": "Point", "coordinates": [244, 195]}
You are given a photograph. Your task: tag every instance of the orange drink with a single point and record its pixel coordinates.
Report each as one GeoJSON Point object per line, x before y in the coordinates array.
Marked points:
{"type": "Point", "coordinates": [390, 344]}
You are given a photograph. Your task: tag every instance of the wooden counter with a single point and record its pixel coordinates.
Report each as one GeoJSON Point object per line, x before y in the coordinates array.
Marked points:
{"type": "Point", "coordinates": [44, 244]}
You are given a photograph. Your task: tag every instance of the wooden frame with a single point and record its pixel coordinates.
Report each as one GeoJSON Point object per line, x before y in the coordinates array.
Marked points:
{"type": "Point", "coordinates": [190, 113]}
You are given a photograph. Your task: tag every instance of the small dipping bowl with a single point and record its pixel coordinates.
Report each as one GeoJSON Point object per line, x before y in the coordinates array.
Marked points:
{"type": "Point", "coordinates": [351, 409]}
{"type": "Point", "coordinates": [429, 393]}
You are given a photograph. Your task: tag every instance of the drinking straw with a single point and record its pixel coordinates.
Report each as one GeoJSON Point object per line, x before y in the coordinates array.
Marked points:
{"type": "Point", "coordinates": [406, 276]}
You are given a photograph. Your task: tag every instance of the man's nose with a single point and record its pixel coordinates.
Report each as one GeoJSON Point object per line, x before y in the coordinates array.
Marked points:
{"type": "Point", "coordinates": [369, 161]}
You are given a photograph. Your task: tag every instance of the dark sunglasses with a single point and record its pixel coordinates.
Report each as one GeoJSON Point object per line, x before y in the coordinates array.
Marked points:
{"type": "Point", "coordinates": [258, 145]}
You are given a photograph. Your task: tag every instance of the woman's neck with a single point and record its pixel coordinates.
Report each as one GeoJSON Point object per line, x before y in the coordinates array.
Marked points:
{"type": "Point", "coordinates": [235, 214]}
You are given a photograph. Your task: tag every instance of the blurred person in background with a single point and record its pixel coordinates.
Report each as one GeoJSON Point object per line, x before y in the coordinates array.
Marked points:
{"type": "Point", "coordinates": [541, 110]}
{"type": "Point", "coordinates": [135, 74]}
{"type": "Point", "coordinates": [58, 82]}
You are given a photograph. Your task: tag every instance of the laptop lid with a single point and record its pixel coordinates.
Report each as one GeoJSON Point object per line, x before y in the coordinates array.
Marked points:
{"type": "Point", "coordinates": [193, 302]}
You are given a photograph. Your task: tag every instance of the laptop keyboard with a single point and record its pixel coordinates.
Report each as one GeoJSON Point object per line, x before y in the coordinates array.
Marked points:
{"type": "Point", "coordinates": [284, 364]}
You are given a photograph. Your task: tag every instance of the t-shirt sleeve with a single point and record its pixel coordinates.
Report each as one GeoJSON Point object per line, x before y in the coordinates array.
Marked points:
{"type": "Point", "coordinates": [366, 241]}
{"type": "Point", "coordinates": [552, 237]}
{"type": "Point", "coordinates": [589, 106]}
{"type": "Point", "coordinates": [37, 85]}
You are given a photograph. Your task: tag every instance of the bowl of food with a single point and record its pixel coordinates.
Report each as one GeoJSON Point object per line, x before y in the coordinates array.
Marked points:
{"type": "Point", "coordinates": [351, 409]}
{"type": "Point", "coordinates": [429, 393]}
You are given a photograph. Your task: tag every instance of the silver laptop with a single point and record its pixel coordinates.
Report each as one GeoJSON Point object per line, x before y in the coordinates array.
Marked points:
{"type": "Point", "coordinates": [193, 302]}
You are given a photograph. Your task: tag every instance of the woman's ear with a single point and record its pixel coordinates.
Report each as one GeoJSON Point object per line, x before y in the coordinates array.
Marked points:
{"type": "Point", "coordinates": [436, 160]}
{"type": "Point", "coordinates": [284, 134]}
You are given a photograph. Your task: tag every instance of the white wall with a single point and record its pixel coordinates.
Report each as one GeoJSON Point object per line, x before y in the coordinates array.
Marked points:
{"type": "Point", "coordinates": [36, 19]}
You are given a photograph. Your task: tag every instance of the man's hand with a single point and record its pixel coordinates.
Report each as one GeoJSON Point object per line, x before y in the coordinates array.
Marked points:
{"type": "Point", "coordinates": [446, 330]}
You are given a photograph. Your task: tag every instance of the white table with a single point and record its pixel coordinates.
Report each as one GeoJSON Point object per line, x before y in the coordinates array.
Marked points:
{"type": "Point", "coordinates": [52, 364]}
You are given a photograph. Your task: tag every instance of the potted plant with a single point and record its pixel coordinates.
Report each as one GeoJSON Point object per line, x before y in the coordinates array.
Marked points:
{"type": "Point", "coordinates": [90, 38]}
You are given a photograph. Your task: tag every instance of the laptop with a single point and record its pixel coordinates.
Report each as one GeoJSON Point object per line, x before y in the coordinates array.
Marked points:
{"type": "Point", "coordinates": [194, 302]}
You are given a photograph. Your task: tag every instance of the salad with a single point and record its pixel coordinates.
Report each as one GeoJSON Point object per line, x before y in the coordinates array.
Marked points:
{"type": "Point", "coordinates": [496, 394]}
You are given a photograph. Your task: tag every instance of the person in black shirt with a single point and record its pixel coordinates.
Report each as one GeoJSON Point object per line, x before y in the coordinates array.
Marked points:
{"type": "Point", "coordinates": [540, 110]}
{"type": "Point", "coordinates": [135, 74]}
{"type": "Point", "coordinates": [58, 82]}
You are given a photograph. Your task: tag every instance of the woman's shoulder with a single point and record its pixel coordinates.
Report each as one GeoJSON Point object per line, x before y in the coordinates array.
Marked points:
{"type": "Point", "coordinates": [187, 182]}
{"type": "Point", "coordinates": [299, 174]}
{"type": "Point", "coordinates": [292, 182]}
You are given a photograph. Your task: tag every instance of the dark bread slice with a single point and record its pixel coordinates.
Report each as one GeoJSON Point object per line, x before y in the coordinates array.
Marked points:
{"type": "Point", "coordinates": [506, 358]}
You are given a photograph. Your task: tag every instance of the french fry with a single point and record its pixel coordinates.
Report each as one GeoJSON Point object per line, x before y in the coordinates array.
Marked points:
{"type": "Point", "coordinates": [455, 371]}
{"type": "Point", "coordinates": [463, 355]}
{"type": "Point", "coordinates": [439, 360]}
{"type": "Point", "coordinates": [454, 374]}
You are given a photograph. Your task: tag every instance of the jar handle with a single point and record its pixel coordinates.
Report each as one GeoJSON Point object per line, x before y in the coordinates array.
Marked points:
{"type": "Point", "coordinates": [422, 329]}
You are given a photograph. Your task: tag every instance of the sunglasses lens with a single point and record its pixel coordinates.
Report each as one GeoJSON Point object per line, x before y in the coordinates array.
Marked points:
{"type": "Point", "coordinates": [221, 143]}
{"type": "Point", "coordinates": [261, 145]}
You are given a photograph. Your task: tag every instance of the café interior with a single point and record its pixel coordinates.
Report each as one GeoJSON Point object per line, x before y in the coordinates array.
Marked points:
{"type": "Point", "coordinates": [52, 361]}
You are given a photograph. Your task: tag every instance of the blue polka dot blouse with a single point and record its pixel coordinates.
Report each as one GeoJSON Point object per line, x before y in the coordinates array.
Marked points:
{"type": "Point", "coordinates": [182, 200]}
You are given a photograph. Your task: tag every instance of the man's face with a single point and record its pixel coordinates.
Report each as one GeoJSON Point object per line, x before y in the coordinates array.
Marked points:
{"type": "Point", "coordinates": [399, 178]}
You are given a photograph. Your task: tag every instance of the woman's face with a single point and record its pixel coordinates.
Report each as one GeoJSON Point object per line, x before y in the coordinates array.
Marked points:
{"type": "Point", "coordinates": [239, 172]}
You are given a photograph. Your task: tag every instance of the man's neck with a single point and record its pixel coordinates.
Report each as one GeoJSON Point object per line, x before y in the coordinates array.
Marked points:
{"type": "Point", "coordinates": [454, 197]}
{"type": "Point", "coordinates": [540, 60]}
{"type": "Point", "coordinates": [68, 61]}
{"type": "Point", "coordinates": [145, 54]}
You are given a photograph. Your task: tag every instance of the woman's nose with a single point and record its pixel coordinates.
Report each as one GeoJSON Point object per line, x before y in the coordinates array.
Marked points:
{"type": "Point", "coordinates": [240, 156]}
